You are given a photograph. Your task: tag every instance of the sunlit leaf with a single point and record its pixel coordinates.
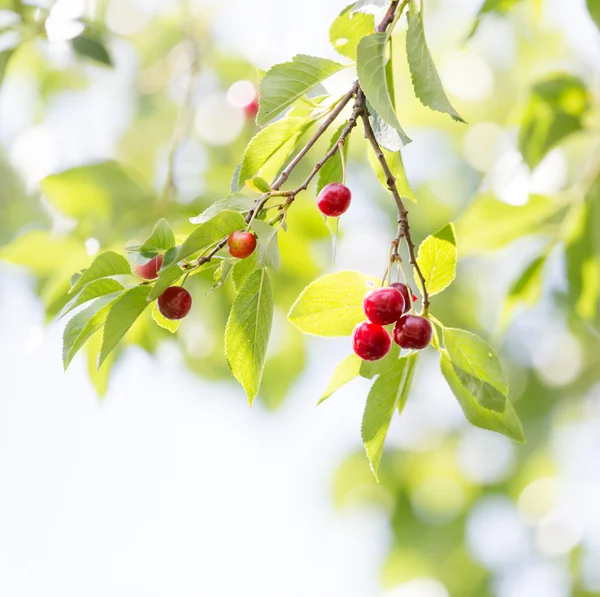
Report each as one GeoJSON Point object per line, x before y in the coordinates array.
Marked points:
{"type": "Point", "coordinates": [369, 369]}
{"type": "Point", "coordinates": [332, 170]}
{"type": "Point", "coordinates": [267, 250]}
{"type": "Point", "coordinates": [437, 260]}
{"type": "Point", "coordinates": [346, 371]}
{"type": "Point", "coordinates": [161, 239]}
{"type": "Point", "coordinates": [93, 290]}
{"type": "Point", "coordinates": [394, 160]}
{"type": "Point", "coordinates": [172, 325]}
{"type": "Point", "coordinates": [104, 265]}
{"type": "Point", "coordinates": [348, 29]}
{"type": "Point", "coordinates": [234, 202]}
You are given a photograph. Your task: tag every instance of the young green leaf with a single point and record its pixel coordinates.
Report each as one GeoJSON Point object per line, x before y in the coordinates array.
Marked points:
{"type": "Point", "coordinates": [267, 142]}
{"type": "Point", "coordinates": [93, 290]}
{"type": "Point", "coordinates": [248, 330]}
{"type": "Point", "coordinates": [386, 393]}
{"type": "Point", "coordinates": [235, 202]}
{"type": "Point", "coordinates": [346, 371]}
{"type": "Point", "coordinates": [218, 227]}
{"type": "Point", "coordinates": [285, 83]}
{"type": "Point", "coordinates": [91, 47]}
{"type": "Point", "coordinates": [168, 324]}
{"type": "Point", "coordinates": [437, 260]}
{"type": "Point", "coordinates": [104, 265]}
{"type": "Point", "coordinates": [507, 422]}
{"type": "Point", "coordinates": [332, 169]}
{"type": "Point", "coordinates": [332, 304]}
{"type": "Point", "coordinates": [394, 160]}
{"type": "Point", "coordinates": [489, 224]}
{"type": "Point", "coordinates": [161, 239]}
{"type": "Point", "coordinates": [371, 70]}
{"type": "Point", "coordinates": [477, 367]}
{"type": "Point", "coordinates": [122, 315]}
{"type": "Point", "coordinates": [426, 81]}
{"type": "Point", "coordinates": [80, 327]}
{"type": "Point", "coordinates": [556, 110]}
{"type": "Point", "coordinates": [348, 29]}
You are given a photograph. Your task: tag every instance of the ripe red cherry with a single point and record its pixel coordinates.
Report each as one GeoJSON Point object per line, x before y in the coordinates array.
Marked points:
{"type": "Point", "coordinates": [370, 341]}
{"type": "Point", "coordinates": [334, 199]}
{"type": "Point", "coordinates": [412, 331]}
{"type": "Point", "coordinates": [149, 271]}
{"type": "Point", "coordinates": [383, 305]}
{"type": "Point", "coordinates": [241, 244]}
{"type": "Point", "coordinates": [405, 290]}
{"type": "Point", "coordinates": [175, 302]}
{"type": "Point", "coordinates": [251, 109]}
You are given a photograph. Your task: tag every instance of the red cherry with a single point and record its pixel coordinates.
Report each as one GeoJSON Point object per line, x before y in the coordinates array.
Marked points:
{"type": "Point", "coordinates": [334, 199]}
{"type": "Point", "coordinates": [149, 271]}
{"type": "Point", "coordinates": [370, 341]}
{"type": "Point", "coordinates": [405, 290]}
{"type": "Point", "coordinates": [413, 331]}
{"type": "Point", "coordinates": [251, 109]}
{"type": "Point", "coordinates": [175, 302]}
{"type": "Point", "coordinates": [383, 305]}
{"type": "Point", "coordinates": [241, 244]}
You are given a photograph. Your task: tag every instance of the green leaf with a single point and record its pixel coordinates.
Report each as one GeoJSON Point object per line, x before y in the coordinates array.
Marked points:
{"type": "Point", "coordinates": [426, 81]}
{"type": "Point", "coordinates": [234, 202]}
{"type": "Point", "coordinates": [261, 184]}
{"type": "Point", "coordinates": [217, 228]}
{"type": "Point", "coordinates": [161, 239]}
{"type": "Point", "coordinates": [346, 371]}
{"type": "Point", "coordinates": [99, 378]}
{"type": "Point", "coordinates": [248, 329]}
{"type": "Point", "coordinates": [332, 170]}
{"type": "Point", "coordinates": [507, 423]}
{"type": "Point", "coordinates": [527, 288]}
{"type": "Point", "coordinates": [386, 394]}
{"type": "Point", "coordinates": [369, 6]}
{"type": "Point", "coordinates": [104, 265]}
{"type": "Point", "coordinates": [267, 251]}
{"type": "Point", "coordinates": [372, 77]}
{"type": "Point", "coordinates": [369, 369]}
{"type": "Point", "coordinates": [476, 365]}
{"type": "Point", "coordinates": [489, 224]}
{"type": "Point", "coordinates": [394, 160]}
{"type": "Point", "coordinates": [122, 315]}
{"type": "Point", "coordinates": [437, 260]}
{"type": "Point", "coordinates": [285, 83]}
{"type": "Point", "coordinates": [168, 324]}
{"type": "Point", "coordinates": [348, 29]}
{"type": "Point", "coordinates": [167, 277]}
{"type": "Point", "coordinates": [242, 269]}
{"type": "Point", "coordinates": [81, 327]}
{"type": "Point", "coordinates": [593, 7]}
{"type": "Point", "coordinates": [93, 48]}
{"type": "Point", "coordinates": [222, 273]}
{"type": "Point", "coordinates": [556, 110]}
{"type": "Point", "coordinates": [332, 304]}
{"type": "Point", "coordinates": [269, 141]}
{"type": "Point", "coordinates": [93, 290]}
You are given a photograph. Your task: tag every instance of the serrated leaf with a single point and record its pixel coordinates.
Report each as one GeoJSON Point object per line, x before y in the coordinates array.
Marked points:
{"type": "Point", "coordinates": [248, 330]}
{"type": "Point", "coordinates": [269, 141]}
{"type": "Point", "coordinates": [426, 81]}
{"type": "Point", "coordinates": [93, 290]}
{"type": "Point", "coordinates": [437, 260]}
{"type": "Point", "coordinates": [172, 325]}
{"type": "Point", "coordinates": [346, 371]}
{"type": "Point", "coordinates": [104, 265]}
{"type": "Point", "coordinates": [167, 277]}
{"type": "Point", "coordinates": [507, 422]}
{"type": "Point", "coordinates": [332, 170]}
{"type": "Point", "coordinates": [218, 227]}
{"type": "Point", "coordinates": [92, 48]}
{"type": "Point", "coordinates": [369, 6]}
{"type": "Point", "coordinates": [81, 327]}
{"type": "Point", "coordinates": [386, 394]}
{"type": "Point", "coordinates": [477, 367]}
{"type": "Point", "coordinates": [593, 7]}
{"type": "Point", "coordinates": [348, 29]}
{"type": "Point", "coordinates": [556, 109]}
{"type": "Point", "coordinates": [369, 369]}
{"type": "Point", "coordinates": [161, 239]}
{"type": "Point", "coordinates": [284, 83]}
{"type": "Point", "coordinates": [242, 269]}
{"type": "Point", "coordinates": [234, 202]}
{"type": "Point", "coordinates": [394, 160]}
{"type": "Point", "coordinates": [489, 224]}
{"type": "Point", "coordinates": [122, 315]}
{"type": "Point", "coordinates": [222, 273]}
{"type": "Point", "coordinates": [332, 304]}
{"type": "Point", "coordinates": [371, 71]}
{"type": "Point", "coordinates": [267, 250]}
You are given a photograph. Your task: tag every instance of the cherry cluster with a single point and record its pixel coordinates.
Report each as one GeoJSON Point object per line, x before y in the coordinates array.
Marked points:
{"type": "Point", "coordinates": [386, 306]}
{"type": "Point", "coordinates": [176, 302]}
